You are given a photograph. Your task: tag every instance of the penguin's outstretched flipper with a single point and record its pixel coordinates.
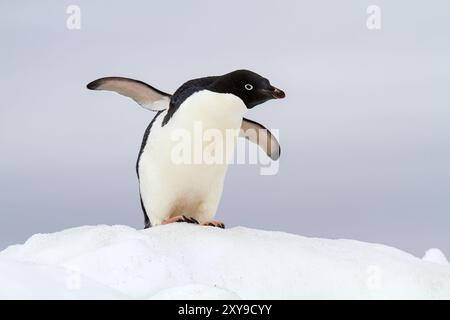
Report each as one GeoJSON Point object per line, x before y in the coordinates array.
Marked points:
{"type": "Point", "coordinates": [257, 133]}
{"type": "Point", "coordinates": [144, 94]}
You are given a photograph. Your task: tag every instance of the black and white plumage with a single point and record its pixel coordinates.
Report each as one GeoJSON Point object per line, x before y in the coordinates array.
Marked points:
{"type": "Point", "coordinates": [168, 189]}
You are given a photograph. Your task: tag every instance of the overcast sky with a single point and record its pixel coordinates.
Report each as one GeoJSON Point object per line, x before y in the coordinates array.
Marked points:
{"type": "Point", "coordinates": [364, 130]}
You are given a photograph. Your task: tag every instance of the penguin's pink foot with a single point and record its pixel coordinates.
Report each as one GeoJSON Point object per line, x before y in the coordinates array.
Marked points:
{"type": "Point", "coordinates": [214, 223]}
{"type": "Point", "coordinates": [180, 219]}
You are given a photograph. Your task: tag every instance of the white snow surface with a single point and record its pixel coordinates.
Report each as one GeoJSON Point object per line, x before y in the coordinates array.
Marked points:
{"type": "Point", "coordinates": [437, 256]}
{"type": "Point", "coordinates": [183, 261]}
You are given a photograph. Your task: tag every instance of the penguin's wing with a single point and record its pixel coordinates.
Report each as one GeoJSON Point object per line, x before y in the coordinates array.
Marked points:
{"type": "Point", "coordinates": [145, 95]}
{"type": "Point", "coordinates": [260, 135]}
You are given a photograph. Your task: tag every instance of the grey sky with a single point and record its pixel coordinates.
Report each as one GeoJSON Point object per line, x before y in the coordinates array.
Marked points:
{"type": "Point", "coordinates": [364, 130]}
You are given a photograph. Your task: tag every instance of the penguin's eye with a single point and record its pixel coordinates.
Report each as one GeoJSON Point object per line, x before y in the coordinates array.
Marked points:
{"type": "Point", "coordinates": [248, 87]}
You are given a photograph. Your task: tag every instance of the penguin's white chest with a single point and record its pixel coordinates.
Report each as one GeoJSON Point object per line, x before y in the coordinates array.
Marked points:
{"type": "Point", "coordinates": [183, 165]}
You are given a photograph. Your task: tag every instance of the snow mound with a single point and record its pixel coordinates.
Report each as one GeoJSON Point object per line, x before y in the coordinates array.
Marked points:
{"type": "Point", "coordinates": [183, 261]}
{"type": "Point", "coordinates": [436, 256]}
{"type": "Point", "coordinates": [195, 292]}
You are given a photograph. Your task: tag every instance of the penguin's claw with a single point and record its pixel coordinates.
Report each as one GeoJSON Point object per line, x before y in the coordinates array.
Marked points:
{"type": "Point", "coordinates": [189, 220]}
{"type": "Point", "coordinates": [214, 223]}
{"type": "Point", "coordinates": [180, 219]}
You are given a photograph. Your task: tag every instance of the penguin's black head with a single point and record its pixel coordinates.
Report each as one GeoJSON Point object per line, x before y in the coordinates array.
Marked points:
{"type": "Point", "coordinates": [247, 85]}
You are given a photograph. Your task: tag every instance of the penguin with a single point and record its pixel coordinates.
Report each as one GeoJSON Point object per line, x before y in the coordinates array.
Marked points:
{"type": "Point", "coordinates": [190, 192]}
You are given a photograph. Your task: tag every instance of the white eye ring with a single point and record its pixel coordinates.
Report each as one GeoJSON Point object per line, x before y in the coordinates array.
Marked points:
{"type": "Point", "coordinates": [248, 86]}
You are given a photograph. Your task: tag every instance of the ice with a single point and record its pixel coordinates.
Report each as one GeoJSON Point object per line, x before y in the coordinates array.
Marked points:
{"type": "Point", "coordinates": [184, 261]}
{"type": "Point", "coordinates": [436, 256]}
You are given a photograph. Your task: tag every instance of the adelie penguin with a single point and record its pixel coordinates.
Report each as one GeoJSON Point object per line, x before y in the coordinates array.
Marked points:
{"type": "Point", "coordinates": [173, 192]}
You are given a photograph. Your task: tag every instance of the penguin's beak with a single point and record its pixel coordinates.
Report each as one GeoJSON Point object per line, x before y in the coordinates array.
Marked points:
{"type": "Point", "coordinates": [277, 93]}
